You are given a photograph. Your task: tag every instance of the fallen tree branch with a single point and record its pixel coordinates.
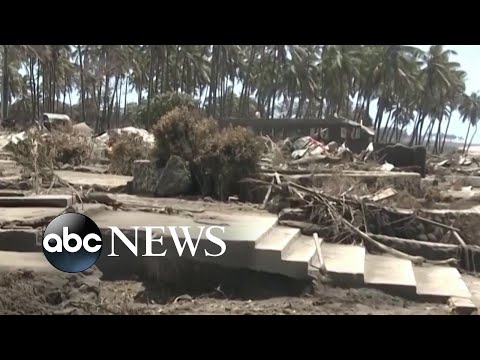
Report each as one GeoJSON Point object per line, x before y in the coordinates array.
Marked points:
{"type": "Point", "coordinates": [414, 259]}
{"type": "Point", "coordinates": [431, 222]}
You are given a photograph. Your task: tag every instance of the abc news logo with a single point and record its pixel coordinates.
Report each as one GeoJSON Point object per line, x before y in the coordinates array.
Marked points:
{"type": "Point", "coordinates": [73, 242]}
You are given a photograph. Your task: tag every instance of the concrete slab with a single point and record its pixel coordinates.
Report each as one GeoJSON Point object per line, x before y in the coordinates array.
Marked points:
{"type": "Point", "coordinates": [440, 281]}
{"type": "Point", "coordinates": [60, 201]}
{"type": "Point", "coordinates": [12, 261]}
{"type": "Point", "coordinates": [473, 285]}
{"type": "Point", "coordinates": [25, 213]}
{"type": "Point", "coordinates": [461, 306]}
{"type": "Point", "coordinates": [241, 233]}
{"type": "Point", "coordinates": [88, 179]}
{"type": "Point", "coordinates": [302, 250]}
{"type": "Point", "coordinates": [238, 228]}
{"type": "Point", "coordinates": [22, 240]}
{"type": "Point", "coordinates": [277, 239]}
{"type": "Point", "coordinates": [344, 263]}
{"type": "Point", "coordinates": [17, 193]}
{"type": "Point", "coordinates": [390, 273]}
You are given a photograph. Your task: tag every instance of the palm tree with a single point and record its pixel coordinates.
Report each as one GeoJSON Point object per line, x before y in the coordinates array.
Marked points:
{"type": "Point", "coordinates": [470, 111]}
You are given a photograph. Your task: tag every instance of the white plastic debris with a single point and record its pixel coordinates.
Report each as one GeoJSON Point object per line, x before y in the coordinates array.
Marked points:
{"type": "Point", "coordinates": [387, 167]}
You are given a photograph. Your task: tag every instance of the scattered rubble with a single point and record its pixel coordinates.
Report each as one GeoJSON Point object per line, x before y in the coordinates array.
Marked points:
{"type": "Point", "coordinates": [372, 198]}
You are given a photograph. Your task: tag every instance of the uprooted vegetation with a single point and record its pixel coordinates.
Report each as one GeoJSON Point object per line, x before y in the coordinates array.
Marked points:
{"type": "Point", "coordinates": [217, 157]}
{"type": "Point", "coordinates": [42, 152]}
{"type": "Point", "coordinates": [125, 149]}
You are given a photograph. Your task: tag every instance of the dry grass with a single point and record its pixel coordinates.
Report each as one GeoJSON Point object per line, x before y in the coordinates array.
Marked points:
{"type": "Point", "coordinates": [42, 152]}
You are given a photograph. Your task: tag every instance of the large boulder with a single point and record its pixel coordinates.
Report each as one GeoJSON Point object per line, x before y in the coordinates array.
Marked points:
{"type": "Point", "coordinates": [175, 178]}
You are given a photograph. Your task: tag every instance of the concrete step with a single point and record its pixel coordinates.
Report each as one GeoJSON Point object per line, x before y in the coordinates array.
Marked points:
{"type": "Point", "coordinates": [61, 201]}
{"type": "Point", "coordinates": [11, 261]}
{"type": "Point", "coordinates": [390, 274]}
{"type": "Point", "coordinates": [267, 255]}
{"type": "Point", "coordinates": [345, 264]}
{"type": "Point", "coordinates": [277, 239]}
{"type": "Point", "coordinates": [461, 306]}
{"type": "Point", "coordinates": [21, 240]}
{"type": "Point", "coordinates": [440, 283]}
{"type": "Point", "coordinates": [473, 285]}
{"type": "Point", "coordinates": [297, 257]}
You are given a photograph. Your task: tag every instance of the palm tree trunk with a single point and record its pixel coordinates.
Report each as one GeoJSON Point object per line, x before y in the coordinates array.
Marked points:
{"type": "Point", "coordinates": [5, 83]}
{"type": "Point", "coordinates": [82, 83]}
{"type": "Point", "coordinates": [33, 88]}
{"type": "Point", "coordinates": [428, 131]}
{"type": "Point", "coordinates": [150, 84]}
{"type": "Point", "coordinates": [64, 96]}
{"type": "Point", "coordinates": [471, 139]}
{"type": "Point", "coordinates": [38, 86]}
{"type": "Point", "coordinates": [437, 138]}
{"type": "Point", "coordinates": [386, 126]}
{"type": "Point", "coordinates": [125, 102]}
{"type": "Point", "coordinates": [446, 132]}
{"type": "Point", "coordinates": [112, 100]}
{"type": "Point", "coordinates": [466, 137]}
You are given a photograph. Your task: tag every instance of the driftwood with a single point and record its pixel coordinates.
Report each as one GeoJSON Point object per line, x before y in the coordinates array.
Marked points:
{"type": "Point", "coordinates": [318, 246]}
{"type": "Point", "coordinates": [435, 223]}
{"type": "Point", "coordinates": [435, 252]}
{"type": "Point", "coordinates": [306, 228]}
{"type": "Point", "coordinates": [350, 218]}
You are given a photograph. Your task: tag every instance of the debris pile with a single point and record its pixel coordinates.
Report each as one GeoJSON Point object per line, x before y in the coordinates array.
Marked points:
{"type": "Point", "coordinates": [307, 155]}
{"type": "Point", "coordinates": [353, 219]}
{"type": "Point", "coordinates": [454, 163]}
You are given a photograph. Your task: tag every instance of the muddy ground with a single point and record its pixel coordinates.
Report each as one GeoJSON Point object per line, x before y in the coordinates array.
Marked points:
{"type": "Point", "coordinates": [25, 292]}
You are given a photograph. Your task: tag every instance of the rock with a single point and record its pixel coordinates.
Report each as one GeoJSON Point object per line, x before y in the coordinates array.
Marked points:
{"type": "Point", "coordinates": [422, 237]}
{"type": "Point", "coordinates": [431, 237]}
{"type": "Point", "coordinates": [175, 178]}
{"type": "Point", "coordinates": [438, 232]}
{"type": "Point", "coordinates": [421, 228]}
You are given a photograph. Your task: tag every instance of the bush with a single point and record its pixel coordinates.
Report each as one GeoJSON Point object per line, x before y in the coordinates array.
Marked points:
{"type": "Point", "coordinates": [162, 104]}
{"type": "Point", "coordinates": [52, 149]}
{"type": "Point", "coordinates": [217, 158]}
{"type": "Point", "coordinates": [125, 149]}
{"type": "Point", "coordinates": [228, 156]}
{"type": "Point", "coordinates": [182, 132]}
{"type": "Point", "coordinates": [42, 152]}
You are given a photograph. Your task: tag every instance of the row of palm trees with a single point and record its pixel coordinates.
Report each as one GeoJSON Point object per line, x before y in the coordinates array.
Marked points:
{"type": "Point", "coordinates": [400, 84]}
